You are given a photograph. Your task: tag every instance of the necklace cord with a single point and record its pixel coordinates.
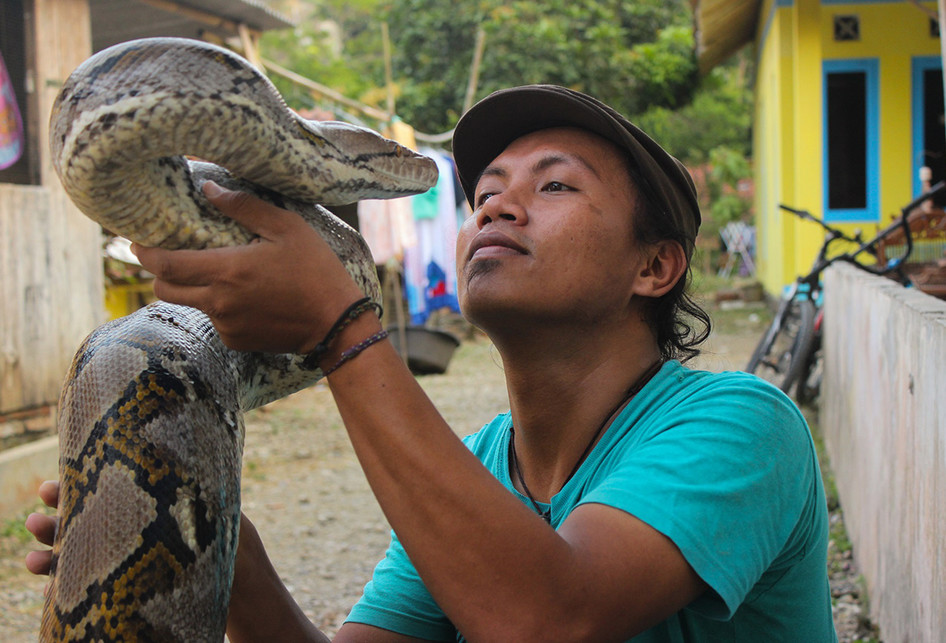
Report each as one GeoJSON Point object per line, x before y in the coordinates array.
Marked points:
{"type": "Point", "coordinates": [629, 395]}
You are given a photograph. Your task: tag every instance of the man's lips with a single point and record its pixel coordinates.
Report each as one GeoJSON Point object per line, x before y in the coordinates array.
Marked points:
{"type": "Point", "coordinates": [493, 244]}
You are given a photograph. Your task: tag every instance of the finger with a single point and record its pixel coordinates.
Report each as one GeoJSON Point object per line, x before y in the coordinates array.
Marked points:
{"type": "Point", "coordinates": [254, 214]}
{"type": "Point", "coordinates": [49, 493]}
{"type": "Point", "coordinates": [42, 527]}
{"type": "Point", "coordinates": [176, 281]}
{"type": "Point", "coordinates": [39, 562]}
{"type": "Point", "coordinates": [182, 267]}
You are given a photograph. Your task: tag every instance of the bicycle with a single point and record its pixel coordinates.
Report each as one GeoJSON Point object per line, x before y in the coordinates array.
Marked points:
{"type": "Point", "coordinates": [789, 353]}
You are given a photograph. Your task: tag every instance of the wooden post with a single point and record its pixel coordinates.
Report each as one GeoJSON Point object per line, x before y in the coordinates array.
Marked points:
{"type": "Point", "coordinates": [388, 66]}
{"type": "Point", "coordinates": [475, 70]}
{"type": "Point", "coordinates": [250, 42]}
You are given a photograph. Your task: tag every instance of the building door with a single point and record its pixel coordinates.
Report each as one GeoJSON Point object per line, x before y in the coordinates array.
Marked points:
{"type": "Point", "coordinates": [851, 140]}
{"type": "Point", "coordinates": [929, 127]}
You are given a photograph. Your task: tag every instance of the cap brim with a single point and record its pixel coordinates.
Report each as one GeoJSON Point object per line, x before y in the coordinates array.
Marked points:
{"type": "Point", "coordinates": [499, 119]}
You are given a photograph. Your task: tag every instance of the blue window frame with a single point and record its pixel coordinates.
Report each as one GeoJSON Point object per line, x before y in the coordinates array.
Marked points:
{"type": "Point", "coordinates": [929, 135]}
{"type": "Point", "coordinates": [851, 146]}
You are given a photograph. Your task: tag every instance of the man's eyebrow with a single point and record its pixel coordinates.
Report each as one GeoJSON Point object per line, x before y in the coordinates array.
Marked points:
{"type": "Point", "coordinates": [491, 170]}
{"type": "Point", "coordinates": [565, 159]}
{"type": "Point", "coordinates": [542, 164]}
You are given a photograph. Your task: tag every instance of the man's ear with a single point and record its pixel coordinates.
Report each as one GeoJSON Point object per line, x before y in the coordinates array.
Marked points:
{"type": "Point", "coordinates": [665, 263]}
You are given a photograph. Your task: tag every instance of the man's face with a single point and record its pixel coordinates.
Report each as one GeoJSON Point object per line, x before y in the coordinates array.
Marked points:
{"type": "Point", "coordinates": [550, 236]}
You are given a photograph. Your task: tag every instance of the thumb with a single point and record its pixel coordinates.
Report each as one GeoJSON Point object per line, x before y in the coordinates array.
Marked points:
{"type": "Point", "coordinates": [259, 217]}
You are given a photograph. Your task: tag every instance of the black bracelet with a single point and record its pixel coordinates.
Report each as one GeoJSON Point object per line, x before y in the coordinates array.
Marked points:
{"type": "Point", "coordinates": [355, 350]}
{"type": "Point", "coordinates": [313, 359]}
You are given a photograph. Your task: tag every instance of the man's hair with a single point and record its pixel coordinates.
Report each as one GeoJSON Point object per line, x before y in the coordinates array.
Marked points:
{"type": "Point", "coordinates": [676, 319]}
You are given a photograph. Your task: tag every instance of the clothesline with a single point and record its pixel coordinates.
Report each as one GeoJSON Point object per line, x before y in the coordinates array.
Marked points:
{"type": "Point", "coordinates": [331, 94]}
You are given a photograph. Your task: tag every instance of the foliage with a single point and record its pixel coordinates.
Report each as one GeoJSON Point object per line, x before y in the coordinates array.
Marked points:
{"type": "Point", "coordinates": [313, 50]}
{"type": "Point", "coordinates": [15, 528]}
{"type": "Point", "coordinates": [719, 114]}
{"type": "Point", "coordinates": [596, 46]}
{"type": "Point", "coordinates": [631, 55]}
{"type": "Point", "coordinates": [727, 168]}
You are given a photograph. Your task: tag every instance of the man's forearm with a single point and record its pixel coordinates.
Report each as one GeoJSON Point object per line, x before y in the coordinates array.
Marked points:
{"type": "Point", "coordinates": [261, 608]}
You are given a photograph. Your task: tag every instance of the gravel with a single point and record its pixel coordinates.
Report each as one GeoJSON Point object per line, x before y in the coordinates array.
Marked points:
{"type": "Point", "coordinates": [304, 490]}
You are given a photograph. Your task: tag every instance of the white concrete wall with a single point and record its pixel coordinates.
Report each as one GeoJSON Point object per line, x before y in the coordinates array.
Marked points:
{"type": "Point", "coordinates": [883, 415]}
{"type": "Point", "coordinates": [22, 469]}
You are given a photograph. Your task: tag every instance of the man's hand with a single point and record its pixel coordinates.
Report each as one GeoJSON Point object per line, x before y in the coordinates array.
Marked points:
{"type": "Point", "coordinates": [280, 293]}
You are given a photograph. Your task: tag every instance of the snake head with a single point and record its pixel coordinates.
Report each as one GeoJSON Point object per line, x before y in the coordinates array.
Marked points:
{"type": "Point", "coordinates": [358, 163]}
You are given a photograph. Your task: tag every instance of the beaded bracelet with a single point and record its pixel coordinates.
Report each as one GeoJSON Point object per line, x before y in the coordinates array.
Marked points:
{"type": "Point", "coordinates": [313, 359]}
{"type": "Point", "coordinates": [355, 350]}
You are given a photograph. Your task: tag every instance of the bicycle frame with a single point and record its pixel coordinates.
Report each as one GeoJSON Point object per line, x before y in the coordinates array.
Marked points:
{"type": "Point", "coordinates": [801, 300]}
{"type": "Point", "coordinates": [822, 261]}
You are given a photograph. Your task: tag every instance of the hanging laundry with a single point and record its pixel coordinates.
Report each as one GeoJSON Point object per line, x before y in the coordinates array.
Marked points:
{"type": "Point", "coordinates": [430, 266]}
{"type": "Point", "coordinates": [388, 227]}
{"type": "Point", "coordinates": [11, 124]}
{"type": "Point", "coordinates": [436, 295]}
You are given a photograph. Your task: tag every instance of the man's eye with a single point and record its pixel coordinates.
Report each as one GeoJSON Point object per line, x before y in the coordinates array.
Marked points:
{"type": "Point", "coordinates": [483, 198]}
{"type": "Point", "coordinates": [555, 186]}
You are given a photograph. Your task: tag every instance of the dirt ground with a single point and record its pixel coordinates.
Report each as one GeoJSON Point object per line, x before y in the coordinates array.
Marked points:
{"type": "Point", "coordinates": [304, 490]}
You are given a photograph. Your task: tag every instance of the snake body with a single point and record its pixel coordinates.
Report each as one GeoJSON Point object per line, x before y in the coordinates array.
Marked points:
{"type": "Point", "coordinates": [151, 411]}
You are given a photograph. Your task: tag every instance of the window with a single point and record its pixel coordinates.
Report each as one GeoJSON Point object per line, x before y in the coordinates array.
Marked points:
{"type": "Point", "coordinates": [850, 140]}
{"type": "Point", "coordinates": [847, 28]}
{"type": "Point", "coordinates": [929, 133]}
{"type": "Point", "coordinates": [15, 103]}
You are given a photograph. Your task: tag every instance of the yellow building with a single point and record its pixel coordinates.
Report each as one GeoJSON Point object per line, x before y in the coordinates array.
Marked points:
{"type": "Point", "coordinates": [849, 106]}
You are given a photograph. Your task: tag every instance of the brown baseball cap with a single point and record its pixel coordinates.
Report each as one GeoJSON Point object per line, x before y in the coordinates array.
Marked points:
{"type": "Point", "coordinates": [496, 121]}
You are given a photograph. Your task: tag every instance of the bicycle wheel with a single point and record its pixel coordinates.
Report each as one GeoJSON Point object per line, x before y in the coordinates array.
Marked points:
{"type": "Point", "coordinates": [809, 380]}
{"type": "Point", "coordinates": [782, 354]}
{"type": "Point", "coordinates": [764, 346]}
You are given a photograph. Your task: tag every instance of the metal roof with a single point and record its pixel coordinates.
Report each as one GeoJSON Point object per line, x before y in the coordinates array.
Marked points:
{"type": "Point", "coordinates": [722, 28]}
{"type": "Point", "coordinates": [115, 21]}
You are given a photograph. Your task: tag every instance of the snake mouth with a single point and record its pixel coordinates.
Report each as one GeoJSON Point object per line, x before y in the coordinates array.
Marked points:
{"type": "Point", "coordinates": [382, 160]}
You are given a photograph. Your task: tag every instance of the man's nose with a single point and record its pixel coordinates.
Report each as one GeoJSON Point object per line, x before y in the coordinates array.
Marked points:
{"type": "Point", "coordinates": [507, 205]}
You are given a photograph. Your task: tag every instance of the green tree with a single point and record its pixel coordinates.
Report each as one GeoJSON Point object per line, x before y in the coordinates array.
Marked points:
{"type": "Point", "coordinates": [629, 55]}
{"type": "Point", "coordinates": [336, 43]}
{"type": "Point", "coordinates": [720, 113]}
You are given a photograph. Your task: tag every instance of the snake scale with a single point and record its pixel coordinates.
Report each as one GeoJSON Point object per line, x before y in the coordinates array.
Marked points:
{"type": "Point", "coordinates": [151, 411]}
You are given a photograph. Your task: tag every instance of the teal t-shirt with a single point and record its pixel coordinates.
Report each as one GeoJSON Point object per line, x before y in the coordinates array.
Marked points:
{"type": "Point", "coordinates": [723, 465]}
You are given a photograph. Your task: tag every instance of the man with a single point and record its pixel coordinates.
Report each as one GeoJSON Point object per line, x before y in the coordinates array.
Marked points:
{"type": "Point", "coordinates": [624, 496]}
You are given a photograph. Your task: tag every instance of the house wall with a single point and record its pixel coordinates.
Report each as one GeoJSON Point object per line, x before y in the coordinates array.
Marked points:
{"type": "Point", "coordinates": [794, 37]}
{"type": "Point", "coordinates": [772, 144]}
{"type": "Point", "coordinates": [51, 283]}
{"type": "Point", "coordinates": [883, 416]}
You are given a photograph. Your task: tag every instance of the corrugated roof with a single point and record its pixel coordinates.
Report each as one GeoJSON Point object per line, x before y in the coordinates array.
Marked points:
{"type": "Point", "coordinates": [722, 28]}
{"type": "Point", "coordinates": [115, 21]}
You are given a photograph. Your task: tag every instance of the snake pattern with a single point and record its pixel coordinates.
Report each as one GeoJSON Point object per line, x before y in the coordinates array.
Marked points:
{"type": "Point", "coordinates": [151, 412]}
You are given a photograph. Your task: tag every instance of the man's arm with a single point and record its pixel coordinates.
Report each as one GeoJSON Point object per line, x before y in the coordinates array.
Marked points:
{"type": "Point", "coordinates": [261, 608]}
